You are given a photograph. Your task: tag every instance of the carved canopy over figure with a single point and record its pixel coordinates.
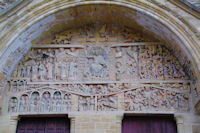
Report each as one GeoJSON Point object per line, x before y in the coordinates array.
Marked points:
{"type": "Point", "coordinates": [24, 103]}
{"type": "Point", "coordinates": [46, 102]}
{"type": "Point", "coordinates": [13, 105]}
{"type": "Point", "coordinates": [35, 102]}
{"type": "Point", "coordinates": [57, 101]}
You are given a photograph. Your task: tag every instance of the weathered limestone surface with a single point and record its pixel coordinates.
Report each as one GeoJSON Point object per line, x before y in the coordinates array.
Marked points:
{"type": "Point", "coordinates": [98, 70]}
{"type": "Point", "coordinates": [39, 21]}
{"type": "Point", "coordinates": [9, 24]}
{"type": "Point", "coordinates": [187, 123]}
{"type": "Point", "coordinates": [97, 123]}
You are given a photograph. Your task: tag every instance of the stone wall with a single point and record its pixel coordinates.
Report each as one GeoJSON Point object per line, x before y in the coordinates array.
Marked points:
{"type": "Point", "coordinates": [176, 28]}
{"type": "Point", "coordinates": [96, 123]}
{"type": "Point", "coordinates": [56, 24]}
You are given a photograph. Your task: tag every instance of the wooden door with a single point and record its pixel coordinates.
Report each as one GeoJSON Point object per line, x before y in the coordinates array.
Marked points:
{"type": "Point", "coordinates": [44, 125]}
{"type": "Point", "coordinates": [155, 124]}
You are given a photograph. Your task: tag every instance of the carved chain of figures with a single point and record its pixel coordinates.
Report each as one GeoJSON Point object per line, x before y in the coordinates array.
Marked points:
{"type": "Point", "coordinates": [88, 71]}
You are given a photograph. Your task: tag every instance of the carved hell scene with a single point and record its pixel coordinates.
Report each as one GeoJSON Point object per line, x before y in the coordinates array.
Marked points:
{"type": "Point", "coordinates": [99, 67]}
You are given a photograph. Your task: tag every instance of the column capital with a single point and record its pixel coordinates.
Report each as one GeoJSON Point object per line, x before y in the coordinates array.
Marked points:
{"type": "Point", "coordinates": [179, 122]}
{"type": "Point", "coordinates": [72, 115]}
{"type": "Point", "coordinates": [119, 117]}
{"type": "Point", "coordinates": [14, 119]}
{"type": "Point", "coordinates": [13, 124]}
{"type": "Point", "coordinates": [179, 119]}
{"type": "Point", "coordinates": [72, 118]}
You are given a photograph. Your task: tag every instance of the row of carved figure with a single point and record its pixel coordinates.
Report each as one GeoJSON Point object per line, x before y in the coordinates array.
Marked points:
{"type": "Point", "coordinates": [103, 103]}
{"type": "Point", "coordinates": [84, 89]}
{"type": "Point", "coordinates": [149, 98]}
{"type": "Point", "coordinates": [40, 103]}
{"type": "Point", "coordinates": [95, 89]}
{"type": "Point", "coordinates": [102, 64]}
{"type": "Point", "coordinates": [138, 99]}
{"type": "Point", "coordinates": [58, 103]}
{"type": "Point", "coordinates": [98, 33]}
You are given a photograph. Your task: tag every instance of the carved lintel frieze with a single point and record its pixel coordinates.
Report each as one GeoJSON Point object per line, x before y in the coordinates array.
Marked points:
{"type": "Point", "coordinates": [101, 97]}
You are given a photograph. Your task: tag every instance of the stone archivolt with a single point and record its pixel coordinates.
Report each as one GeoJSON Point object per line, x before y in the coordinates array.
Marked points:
{"type": "Point", "coordinates": [4, 4]}
{"type": "Point", "coordinates": [99, 69]}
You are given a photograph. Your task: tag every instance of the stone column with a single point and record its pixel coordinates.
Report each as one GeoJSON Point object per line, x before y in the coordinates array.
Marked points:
{"type": "Point", "coordinates": [180, 125]}
{"type": "Point", "coordinates": [72, 123]}
{"type": "Point", "coordinates": [121, 106]}
{"type": "Point", "coordinates": [74, 103]}
{"type": "Point", "coordinates": [13, 124]}
{"type": "Point", "coordinates": [119, 119]}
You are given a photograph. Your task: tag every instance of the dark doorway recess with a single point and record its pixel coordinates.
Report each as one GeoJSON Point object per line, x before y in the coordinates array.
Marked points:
{"type": "Point", "coordinates": [44, 125]}
{"type": "Point", "coordinates": [149, 124]}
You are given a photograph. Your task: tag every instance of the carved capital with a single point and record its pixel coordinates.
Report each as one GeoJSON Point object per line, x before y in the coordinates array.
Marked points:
{"type": "Point", "coordinates": [119, 118]}
{"type": "Point", "coordinates": [179, 119]}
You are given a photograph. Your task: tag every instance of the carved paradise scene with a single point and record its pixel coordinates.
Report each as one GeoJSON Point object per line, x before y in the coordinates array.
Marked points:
{"type": "Point", "coordinates": [99, 68]}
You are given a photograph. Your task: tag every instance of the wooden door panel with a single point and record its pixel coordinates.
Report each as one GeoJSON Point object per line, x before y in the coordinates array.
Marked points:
{"type": "Point", "coordinates": [149, 125]}
{"type": "Point", "coordinates": [60, 131]}
{"type": "Point", "coordinates": [30, 131]}
{"type": "Point", "coordinates": [21, 131]}
{"type": "Point", "coordinates": [39, 131]}
{"type": "Point", "coordinates": [43, 125]}
{"type": "Point", "coordinates": [50, 131]}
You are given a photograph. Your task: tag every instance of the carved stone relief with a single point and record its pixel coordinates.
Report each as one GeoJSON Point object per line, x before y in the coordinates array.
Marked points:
{"type": "Point", "coordinates": [107, 103]}
{"type": "Point", "coordinates": [101, 97]}
{"type": "Point", "coordinates": [98, 63]}
{"type": "Point", "coordinates": [93, 33]}
{"type": "Point", "coordinates": [89, 65]}
{"type": "Point", "coordinates": [40, 100]}
{"type": "Point", "coordinates": [151, 98]}
{"type": "Point", "coordinates": [86, 103]}
{"type": "Point", "coordinates": [13, 105]}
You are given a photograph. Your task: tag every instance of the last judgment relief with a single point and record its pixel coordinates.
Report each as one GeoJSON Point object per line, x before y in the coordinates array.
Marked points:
{"type": "Point", "coordinates": [99, 68]}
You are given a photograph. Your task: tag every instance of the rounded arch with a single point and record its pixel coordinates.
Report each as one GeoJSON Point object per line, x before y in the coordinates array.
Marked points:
{"type": "Point", "coordinates": [32, 95]}
{"type": "Point", "coordinates": [11, 42]}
